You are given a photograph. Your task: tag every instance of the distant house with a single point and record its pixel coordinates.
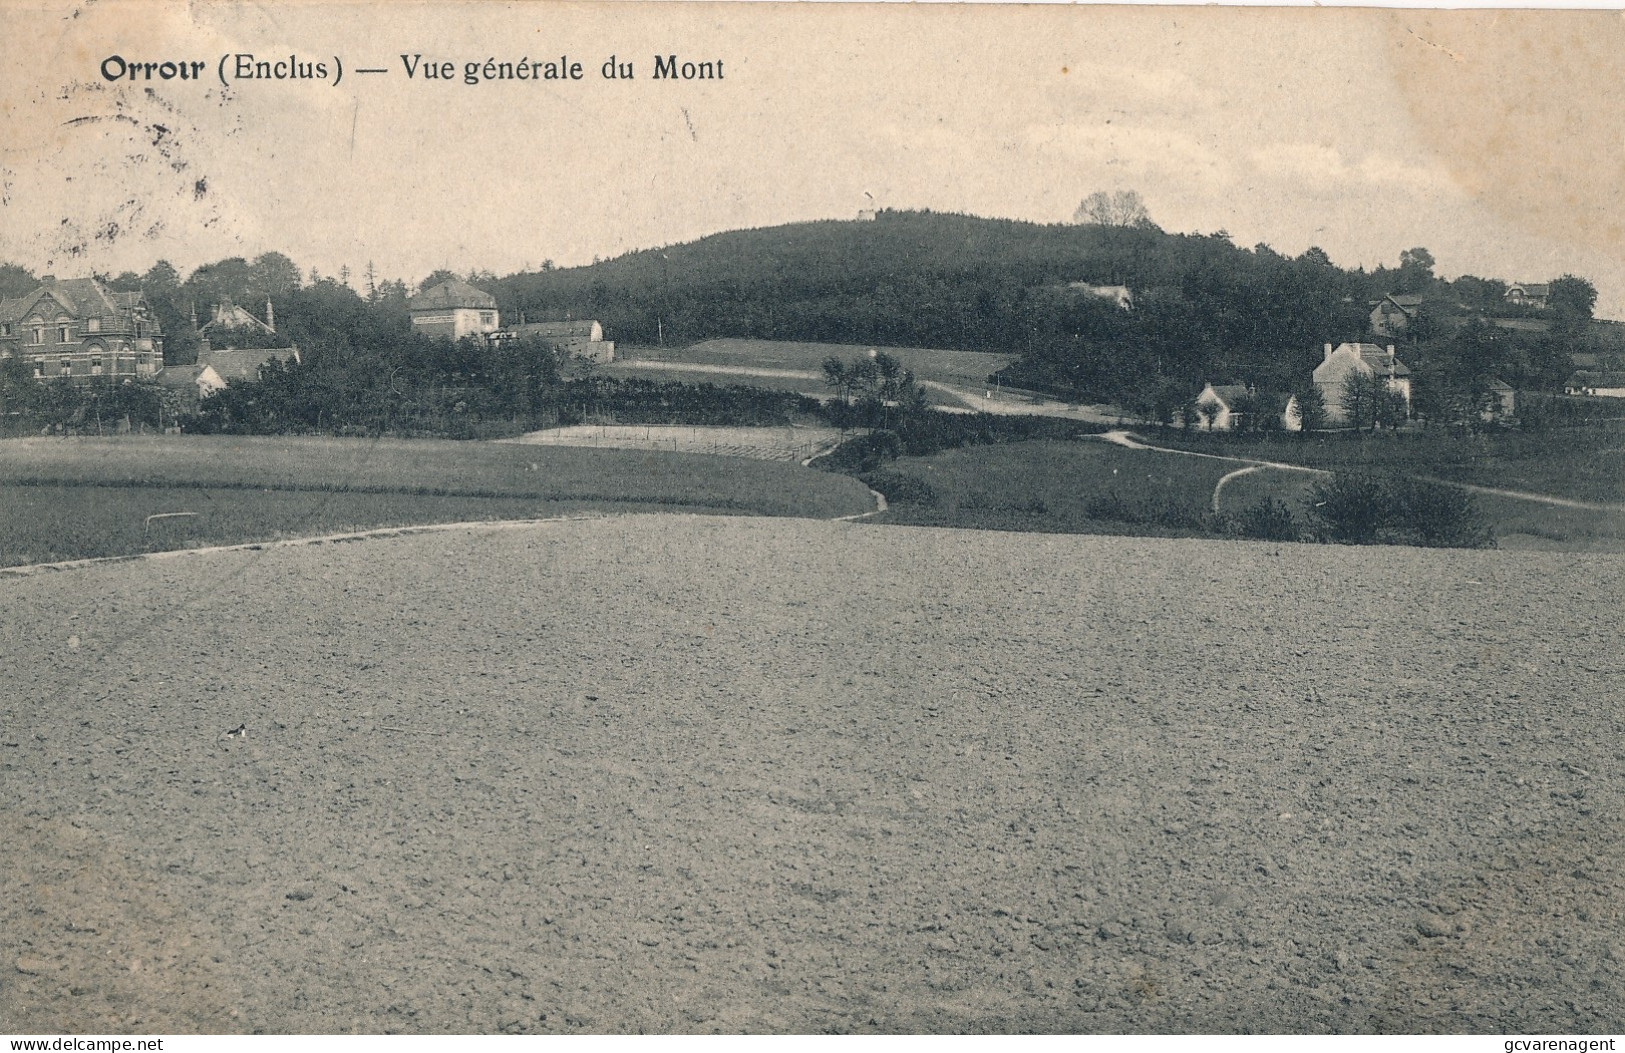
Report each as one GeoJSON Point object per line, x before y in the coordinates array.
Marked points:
{"type": "Point", "coordinates": [215, 369]}
{"type": "Point", "coordinates": [583, 339]}
{"type": "Point", "coordinates": [1393, 314]}
{"type": "Point", "coordinates": [79, 329]}
{"type": "Point", "coordinates": [1528, 294]}
{"type": "Point", "coordinates": [1118, 294]}
{"type": "Point", "coordinates": [1333, 373]}
{"type": "Point", "coordinates": [1604, 383]}
{"type": "Point", "coordinates": [228, 317]}
{"type": "Point", "coordinates": [1501, 403]}
{"type": "Point", "coordinates": [453, 309]}
{"type": "Point", "coordinates": [1221, 406]}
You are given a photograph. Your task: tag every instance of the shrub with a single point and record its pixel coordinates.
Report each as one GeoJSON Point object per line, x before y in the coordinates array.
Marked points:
{"type": "Point", "coordinates": [900, 488]}
{"type": "Point", "coordinates": [1268, 520]}
{"type": "Point", "coordinates": [1437, 515]}
{"type": "Point", "coordinates": [1348, 508]}
{"type": "Point", "coordinates": [1358, 509]}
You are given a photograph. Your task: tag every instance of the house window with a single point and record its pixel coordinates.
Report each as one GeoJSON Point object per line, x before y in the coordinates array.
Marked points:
{"type": "Point", "coordinates": [488, 318]}
{"type": "Point", "coordinates": [95, 367]}
{"type": "Point", "coordinates": [94, 325]}
{"type": "Point", "coordinates": [39, 368]}
{"type": "Point", "coordinates": [67, 367]}
{"type": "Point", "coordinates": [64, 333]}
{"type": "Point", "coordinates": [37, 336]}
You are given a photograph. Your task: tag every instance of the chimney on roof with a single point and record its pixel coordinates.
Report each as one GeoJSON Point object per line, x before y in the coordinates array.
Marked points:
{"type": "Point", "coordinates": [1328, 353]}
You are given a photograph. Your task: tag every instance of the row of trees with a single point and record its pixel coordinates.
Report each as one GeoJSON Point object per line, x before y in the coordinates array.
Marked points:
{"type": "Point", "coordinates": [1205, 308]}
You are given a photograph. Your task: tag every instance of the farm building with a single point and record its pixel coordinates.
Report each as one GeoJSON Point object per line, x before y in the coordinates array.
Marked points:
{"type": "Point", "coordinates": [583, 339]}
{"type": "Point", "coordinates": [1333, 373]}
{"type": "Point", "coordinates": [78, 328]}
{"type": "Point", "coordinates": [453, 309]}
{"type": "Point", "coordinates": [1605, 383]}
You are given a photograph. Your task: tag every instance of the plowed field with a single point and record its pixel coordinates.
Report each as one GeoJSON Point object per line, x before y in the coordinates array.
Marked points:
{"type": "Point", "coordinates": [675, 773]}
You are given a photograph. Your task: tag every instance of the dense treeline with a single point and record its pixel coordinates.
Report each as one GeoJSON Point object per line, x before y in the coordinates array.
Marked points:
{"type": "Point", "coordinates": [1203, 308]}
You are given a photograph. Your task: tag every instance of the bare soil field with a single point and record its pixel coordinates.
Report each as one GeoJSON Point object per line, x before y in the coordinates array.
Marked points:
{"type": "Point", "coordinates": [674, 773]}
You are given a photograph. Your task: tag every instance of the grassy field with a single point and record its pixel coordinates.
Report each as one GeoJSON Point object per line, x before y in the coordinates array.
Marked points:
{"type": "Point", "coordinates": [801, 381]}
{"type": "Point", "coordinates": [69, 499]}
{"type": "Point", "coordinates": [1092, 487]}
{"type": "Point", "coordinates": [960, 368]}
{"type": "Point", "coordinates": [1088, 487]}
{"type": "Point", "coordinates": [1586, 464]}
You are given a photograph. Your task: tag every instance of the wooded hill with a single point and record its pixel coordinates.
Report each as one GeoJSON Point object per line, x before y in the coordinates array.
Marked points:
{"type": "Point", "coordinates": [1204, 308]}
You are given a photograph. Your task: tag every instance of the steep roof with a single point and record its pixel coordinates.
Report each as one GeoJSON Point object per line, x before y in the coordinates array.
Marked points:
{"type": "Point", "coordinates": [1531, 288]}
{"type": "Point", "coordinates": [1229, 393]}
{"type": "Point", "coordinates": [450, 294]}
{"type": "Point", "coordinates": [180, 376]}
{"type": "Point", "coordinates": [242, 365]}
{"type": "Point", "coordinates": [1376, 357]}
{"type": "Point", "coordinates": [82, 297]}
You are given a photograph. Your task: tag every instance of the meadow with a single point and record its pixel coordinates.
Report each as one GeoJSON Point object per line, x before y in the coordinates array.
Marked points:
{"type": "Point", "coordinates": [1052, 486]}
{"type": "Point", "coordinates": [69, 499]}
{"type": "Point", "coordinates": [1092, 487]}
{"type": "Point", "coordinates": [808, 382]}
{"type": "Point", "coordinates": [1581, 463]}
{"type": "Point", "coordinates": [969, 369]}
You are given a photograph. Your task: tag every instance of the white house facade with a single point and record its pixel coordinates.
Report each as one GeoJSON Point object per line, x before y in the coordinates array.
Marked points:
{"type": "Point", "coordinates": [1335, 369]}
{"type": "Point", "coordinates": [453, 309]}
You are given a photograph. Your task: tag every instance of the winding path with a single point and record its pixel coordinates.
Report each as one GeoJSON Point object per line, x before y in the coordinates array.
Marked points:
{"type": "Point", "coordinates": [1128, 441]}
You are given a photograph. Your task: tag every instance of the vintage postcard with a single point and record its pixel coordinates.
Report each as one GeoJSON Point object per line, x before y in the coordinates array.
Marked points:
{"type": "Point", "coordinates": [531, 518]}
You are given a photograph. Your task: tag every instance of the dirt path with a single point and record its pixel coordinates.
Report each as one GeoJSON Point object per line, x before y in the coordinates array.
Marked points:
{"type": "Point", "coordinates": [1128, 441]}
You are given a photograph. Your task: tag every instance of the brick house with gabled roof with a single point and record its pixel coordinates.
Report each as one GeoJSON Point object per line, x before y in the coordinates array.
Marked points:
{"type": "Point", "coordinates": [79, 329]}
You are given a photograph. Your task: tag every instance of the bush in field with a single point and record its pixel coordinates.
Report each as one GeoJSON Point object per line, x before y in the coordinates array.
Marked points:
{"type": "Point", "coordinates": [1268, 520]}
{"type": "Point", "coordinates": [863, 453]}
{"type": "Point", "coordinates": [1348, 508]}
{"type": "Point", "coordinates": [1437, 516]}
{"type": "Point", "coordinates": [1355, 509]}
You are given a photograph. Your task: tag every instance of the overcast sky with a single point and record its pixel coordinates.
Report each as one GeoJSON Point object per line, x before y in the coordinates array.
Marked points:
{"type": "Point", "coordinates": [1496, 140]}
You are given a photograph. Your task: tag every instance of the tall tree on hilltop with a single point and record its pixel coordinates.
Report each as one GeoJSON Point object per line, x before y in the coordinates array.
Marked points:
{"type": "Point", "coordinates": [1121, 208]}
{"type": "Point", "coordinates": [273, 274]}
{"type": "Point", "coordinates": [1572, 298]}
